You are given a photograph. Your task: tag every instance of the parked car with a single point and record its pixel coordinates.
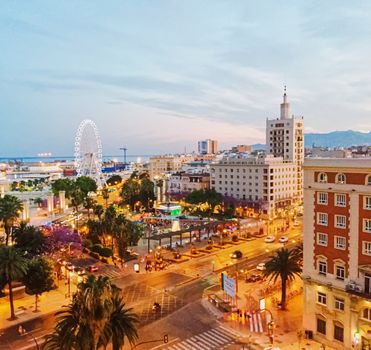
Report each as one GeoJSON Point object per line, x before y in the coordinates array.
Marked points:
{"type": "Point", "coordinates": [92, 268]}
{"type": "Point", "coordinates": [260, 267]}
{"type": "Point", "coordinates": [283, 239]}
{"type": "Point", "coordinates": [269, 239]}
{"type": "Point", "coordinates": [237, 254]}
{"type": "Point", "coordinates": [254, 278]}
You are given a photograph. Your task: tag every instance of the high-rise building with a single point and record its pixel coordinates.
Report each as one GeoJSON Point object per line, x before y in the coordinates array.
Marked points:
{"type": "Point", "coordinates": [285, 138]}
{"type": "Point", "coordinates": [207, 146]}
{"type": "Point", "coordinates": [337, 252]}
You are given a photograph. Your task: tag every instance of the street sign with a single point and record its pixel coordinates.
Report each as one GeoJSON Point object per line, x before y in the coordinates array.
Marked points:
{"type": "Point", "coordinates": [229, 285]}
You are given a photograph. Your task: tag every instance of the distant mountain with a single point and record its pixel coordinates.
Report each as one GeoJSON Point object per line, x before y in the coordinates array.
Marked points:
{"type": "Point", "coordinates": [338, 139]}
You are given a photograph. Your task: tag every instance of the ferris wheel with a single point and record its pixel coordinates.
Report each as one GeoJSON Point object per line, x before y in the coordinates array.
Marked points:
{"type": "Point", "coordinates": [88, 152]}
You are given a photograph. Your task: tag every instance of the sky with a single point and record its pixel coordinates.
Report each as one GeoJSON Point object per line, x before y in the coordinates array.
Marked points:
{"type": "Point", "coordinates": [157, 76]}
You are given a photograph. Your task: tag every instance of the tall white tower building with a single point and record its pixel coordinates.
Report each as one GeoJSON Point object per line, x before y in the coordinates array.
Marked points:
{"type": "Point", "coordinates": [285, 138]}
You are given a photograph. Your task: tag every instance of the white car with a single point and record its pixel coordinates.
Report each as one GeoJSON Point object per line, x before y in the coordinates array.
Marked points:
{"type": "Point", "coordinates": [283, 239]}
{"type": "Point", "coordinates": [269, 239]}
{"type": "Point", "coordinates": [260, 267]}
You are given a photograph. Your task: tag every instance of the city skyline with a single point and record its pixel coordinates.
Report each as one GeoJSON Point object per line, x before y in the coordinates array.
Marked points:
{"type": "Point", "coordinates": [158, 78]}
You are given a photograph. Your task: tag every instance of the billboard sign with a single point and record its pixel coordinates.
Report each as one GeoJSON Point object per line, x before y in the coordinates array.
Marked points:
{"type": "Point", "coordinates": [229, 285]}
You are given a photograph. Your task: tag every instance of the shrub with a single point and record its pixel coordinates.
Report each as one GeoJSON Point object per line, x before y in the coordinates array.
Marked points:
{"type": "Point", "coordinates": [97, 248]}
{"type": "Point", "coordinates": [105, 251]}
{"type": "Point", "coordinates": [87, 243]}
{"type": "Point", "coordinates": [104, 260]}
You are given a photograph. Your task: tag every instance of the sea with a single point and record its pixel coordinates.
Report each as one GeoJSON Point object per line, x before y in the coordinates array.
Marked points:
{"type": "Point", "coordinates": [50, 159]}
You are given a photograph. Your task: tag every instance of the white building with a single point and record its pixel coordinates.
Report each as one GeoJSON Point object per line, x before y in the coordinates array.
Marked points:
{"type": "Point", "coordinates": [285, 138]}
{"type": "Point", "coordinates": [207, 146]}
{"type": "Point", "coordinates": [182, 182]}
{"type": "Point", "coordinates": [263, 179]}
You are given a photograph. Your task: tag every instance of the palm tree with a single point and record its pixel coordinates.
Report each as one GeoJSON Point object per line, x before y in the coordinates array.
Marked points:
{"type": "Point", "coordinates": [89, 204]}
{"type": "Point", "coordinates": [96, 317]}
{"type": "Point", "coordinates": [121, 324]}
{"type": "Point", "coordinates": [13, 267]}
{"type": "Point", "coordinates": [105, 195]}
{"type": "Point", "coordinates": [10, 208]}
{"type": "Point", "coordinates": [98, 210]}
{"type": "Point", "coordinates": [285, 264]}
{"type": "Point", "coordinates": [77, 198]}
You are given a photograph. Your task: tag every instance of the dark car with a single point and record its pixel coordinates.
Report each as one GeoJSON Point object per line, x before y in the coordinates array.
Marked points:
{"type": "Point", "coordinates": [237, 254]}
{"type": "Point", "coordinates": [254, 278]}
{"type": "Point", "coordinates": [92, 268]}
{"type": "Point", "coordinates": [80, 271]}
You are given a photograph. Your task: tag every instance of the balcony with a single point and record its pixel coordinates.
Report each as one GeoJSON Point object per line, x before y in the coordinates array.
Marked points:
{"type": "Point", "coordinates": [357, 290]}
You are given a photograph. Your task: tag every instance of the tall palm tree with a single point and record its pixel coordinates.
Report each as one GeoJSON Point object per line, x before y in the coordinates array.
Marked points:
{"type": "Point", "coordinates": [10, 208]}
{"type": "Point", "coordinates": [121, 324]}
{"type": "Point", "coordinates": [77, 198]}
{"type": "Point", "coordinates": [95, 318]}
{"type": "Point", "coordinates": [98, 210]}
{"type": "Point", "coordinates": [89, 204]}
{"type": "Point", "coordinates": [13, 267]}
{"type": "Point", "coordinates": [285, 264]}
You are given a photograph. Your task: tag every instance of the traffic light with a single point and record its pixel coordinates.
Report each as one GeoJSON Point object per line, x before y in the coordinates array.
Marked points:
{"type": "Point", "coordinates": [166, 338]}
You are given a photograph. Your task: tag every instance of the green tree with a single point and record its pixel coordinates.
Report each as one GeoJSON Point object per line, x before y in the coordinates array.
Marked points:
{"type": "Point", "coordinates": [105, 195]}
{"type": "Point", "coordinates": [114, 180]}
{"type": "Point", "coordinates": [38, 201]}
{"type": "Point", "coordinates": [65, 184]}
{"type": "Point", "coordinates": [146, 192]}
{"type": "Point", "coordinates": [98, 210]}
{"type": "Point", "coordinates": [285, 264]}
{"type": "Point", "coordinates": [89, 204]}
{"type": "Point", "coordinates": [10, 208]}
{"type": "Point", "coordinates": [95, 318]}
{"type": "Point", "coordinates": [14, 186]}
{"type": "Point", "coordinates": [86, 184]}
{"type": "Point", "coordinates": [29, 240]}
{"type": "Point", "coordinates": [130, 192]}
{"type": "Point", "coordinates": [13, 267]}
{"type": "Point", "coordinates": [77, 198]}
{"type": "Point", "coordinates": [39, 278]}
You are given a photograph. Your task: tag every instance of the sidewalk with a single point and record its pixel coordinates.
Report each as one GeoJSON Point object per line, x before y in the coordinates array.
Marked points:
{"type": "Point", "coordinates": [49, 302]}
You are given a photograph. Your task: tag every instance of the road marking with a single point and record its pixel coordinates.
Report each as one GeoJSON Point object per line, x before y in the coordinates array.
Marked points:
{"type": "Point", "coordinates": [169, 342]}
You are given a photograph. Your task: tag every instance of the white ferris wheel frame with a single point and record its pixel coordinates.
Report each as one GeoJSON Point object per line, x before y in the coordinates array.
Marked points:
{"type": "Point", "coordinates": [79, 158]}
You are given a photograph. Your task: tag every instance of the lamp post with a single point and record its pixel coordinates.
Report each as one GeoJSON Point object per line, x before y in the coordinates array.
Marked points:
{"type": "Point", "coordinates": [22, 331]}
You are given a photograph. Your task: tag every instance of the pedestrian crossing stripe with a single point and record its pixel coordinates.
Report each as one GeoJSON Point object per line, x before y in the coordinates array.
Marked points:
{"type": "Point", "coordinates": [215, 338]}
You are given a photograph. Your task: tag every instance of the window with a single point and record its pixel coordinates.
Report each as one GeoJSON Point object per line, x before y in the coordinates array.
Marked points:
{"type": "Point", "coordinates": [340, 178]}
{"type": "Point", "coordinates": [322, 177]}
{"type": "Point", "coordinates": [338, 333]}
{"type": "Point", "coordinates": [367, 225]}
{"type": "Point", "coordinates": [322, 239]}
{"type": "Point", "coordinates": [340, 272]}
{"type": "Point", "coordinates": [340, 200]}
{"type": "Point", "coordinates": [340, 242]}
{"type": "Point", "coordinates": [367, 202]}
{"type": "Point", "coordinates": [368, 180]}
{"type": "Point", "coordinates": [322, 197]}
{"type": "Point", "coordinates": [321, 298]}
{"type": "Point", "coordinates": [340, 221]}
{"type": "Point", "coordinates": [321, 326]}
{"type": "Point", "coordinates": [339, 304]}
{"type": "Point", "coordinates": [366, 314]}
{"type": "Point", "coordinates": [322, 267]}
{"type": "Point", "coordinates": [366, 248]}
{"type": "Point", "coordinates": [322, 219]}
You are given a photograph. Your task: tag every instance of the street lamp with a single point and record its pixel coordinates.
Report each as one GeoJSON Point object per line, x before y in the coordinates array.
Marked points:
{"type": "Point", "coordinates": [22, 331]}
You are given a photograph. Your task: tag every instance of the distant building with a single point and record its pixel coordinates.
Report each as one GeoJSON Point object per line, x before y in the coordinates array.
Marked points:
{"type": "Point", "coordinates": [207, 146]}
{"type": "Point", "coordinates": [324, 152]}
{"type": "Point", "coordinates": [183, 183]}
{"type": "Point", "coordinates": [167, 164]}
{"type": "Point", "coordinates": [242, 149]}
{"type": "Point", "coordinates": [337, 252]}
{"type": "Point", "coordinates": [285, 138]}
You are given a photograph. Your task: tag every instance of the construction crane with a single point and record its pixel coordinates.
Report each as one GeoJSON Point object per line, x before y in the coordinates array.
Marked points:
{"type": "Point", "coordinates": [124, 149]}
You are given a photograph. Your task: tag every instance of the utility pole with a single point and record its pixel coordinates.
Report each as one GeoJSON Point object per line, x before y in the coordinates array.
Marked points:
{"type": "Point", "coordinates": [124, 149]}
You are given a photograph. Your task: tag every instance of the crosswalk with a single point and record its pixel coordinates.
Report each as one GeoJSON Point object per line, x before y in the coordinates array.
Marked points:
{"type": "Point", "coordinates": [215, 338]}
